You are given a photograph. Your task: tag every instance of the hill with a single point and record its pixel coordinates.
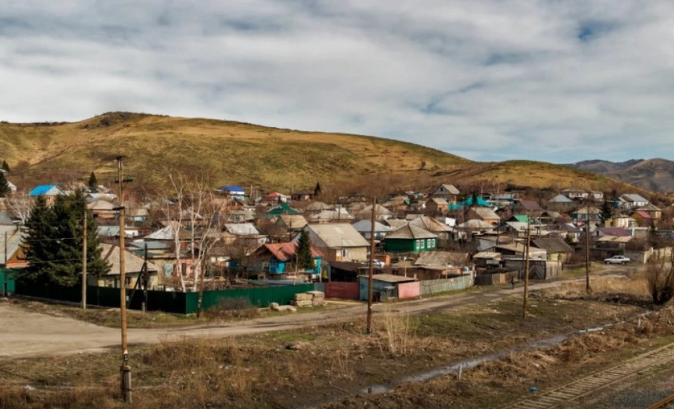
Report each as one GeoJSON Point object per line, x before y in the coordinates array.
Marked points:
{"type": "Point", "coordinates": [241, 153]}
{"type": "Point", "coordinates": [652, 174]}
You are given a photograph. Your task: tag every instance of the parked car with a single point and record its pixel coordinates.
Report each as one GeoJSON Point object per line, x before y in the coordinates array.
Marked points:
{"type": "Point", "coordinates": [617, 260]}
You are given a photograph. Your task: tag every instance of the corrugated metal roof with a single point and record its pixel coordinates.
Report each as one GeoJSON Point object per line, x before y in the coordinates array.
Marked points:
{"type": "Point", "coordinates": [338, 235]}
{"type": "Point", "coordinates": [241, 229]}
{"type": "Point", "coordinates": [287, 251]}
{"type": "Point", "coordinates": [553, 245]}
{"type": "Point", "coordinates": [410, 232]}
{"type": "Point", "coordinates": [633, 197]}
{"type": "Point", "coordinates": [441, 259]}
{"type": "Point", "coordinates": [46, 190]}
{"type": "Point", "coordinates": [560, 199]}
{"type": "Point", "coordinates": [133, 263]}
{"type": "Point", "coordinates": [430, 224]}
{"type": "Point", "coordinates": [294, 221]}
{"type": "Point", "coordinates": [365, 226]}
{"type": "Point", "coordinates": [485, 213]}
{"type": "Point", "coordinates": [397, 223]}
{"type": "Point", "coordinates": [475, 224]}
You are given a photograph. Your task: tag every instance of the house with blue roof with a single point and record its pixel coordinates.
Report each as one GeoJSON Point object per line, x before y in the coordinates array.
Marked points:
{"type": "Point", "coordinates": [49, 192]}
{"type": "Point", "coordinates": [232, 191]}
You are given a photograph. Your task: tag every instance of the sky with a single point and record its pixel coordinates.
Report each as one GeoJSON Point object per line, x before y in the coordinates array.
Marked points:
{"type": "Point", "coordinates": [550, 80]}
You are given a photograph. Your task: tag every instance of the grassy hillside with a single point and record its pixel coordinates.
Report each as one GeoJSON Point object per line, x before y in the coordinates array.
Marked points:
{"type": "Point", "coordinates": [242, 153]}
{"type": "Point", "coordinates": [234, 152]}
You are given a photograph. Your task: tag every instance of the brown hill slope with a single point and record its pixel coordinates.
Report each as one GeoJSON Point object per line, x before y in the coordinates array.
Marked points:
{"type": "Point", "coordinates": [272, 158]}
{"type": "Point", "coordinates": [651, 174]}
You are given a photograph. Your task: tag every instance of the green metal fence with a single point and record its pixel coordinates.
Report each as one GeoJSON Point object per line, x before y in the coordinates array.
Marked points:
{"type": "Point", "coordinates": [167, 301]}
{"type": "Point", "coordinates": [258, 297]}
{"type": "Point", "coordinates": [7, 281]}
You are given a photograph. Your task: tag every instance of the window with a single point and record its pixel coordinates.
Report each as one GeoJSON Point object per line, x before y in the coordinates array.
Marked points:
{"type": "Point", "coordinates": [428, 243]}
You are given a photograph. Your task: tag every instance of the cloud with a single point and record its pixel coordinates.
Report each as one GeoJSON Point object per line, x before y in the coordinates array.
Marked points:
{"type": "Point", "coordinates": [557, 81]}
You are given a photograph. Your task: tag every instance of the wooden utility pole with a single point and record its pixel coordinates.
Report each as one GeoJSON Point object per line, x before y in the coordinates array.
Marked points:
{"type": "Point", "coordinates": [588, 289]}
{"type": "Point", "coordinates": [5, 271]}
{"type": "Point", "coordinates": [84, 260]}
{"type": "Point", "coordinates": [370, 279]}
{"type": "Point", "coordinates": [201, 285]}
{"type": "Point", "coordinates": [526, 270]}
{"type": "Point", "coordinates": [125, 368]}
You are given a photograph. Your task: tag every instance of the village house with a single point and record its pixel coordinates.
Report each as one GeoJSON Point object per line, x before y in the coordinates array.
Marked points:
{"type": "Point", "coordinates": [621, 221]}
{"type": "Point", "coordinates": [436, 205]}
{"type": "Point", "coordinates": [291, 222]}
{"type": "Point", "coordinates": [485, 214]}
{"type": "Point", "coordinates": [447, 192]}
{"type": "Point", "coordinates": [102, 209]}
{"type": "Point", "coordinates": [632, 201]}
{"type": "Point", "coordinates": [49, 192]}
{"type": "Point", "coordinates": [231, 191]}
{"type": "Point", "coordinates": [526, 207]}
{"type": "Point", "coordinates": [133, 268]}
{"type": "Point", "coordinates": [381, 213]}
{"type": "Point", "coordinates": [442, 231]}
{"type": "Point", "coordinates": [317, 207]}
{"type": "Point", "coordinates": [364, 227]}
{"type": "Point", "coordinates": [556, 248]}
{"type": "Point", "coordinates": [585, 214]}
{"type": "Point", "coordinates": [654, 211]}
{"type": "Point", "coordinates": [644, 219]}
{"type": "Point", "coordinates": [561, 202]}
{"type": "Point", "coordinates": [302, 196]}
{"type": "Point", "coordinates": [278, 260]}
{"type": "Point", "coordinates": [327, 216]}
{"type": "Point", "coordinates": [338, 241]}
{"type": "Point", "coordinates": [575, 194]}
{"type": "Point", "coordinates": [410, 239]}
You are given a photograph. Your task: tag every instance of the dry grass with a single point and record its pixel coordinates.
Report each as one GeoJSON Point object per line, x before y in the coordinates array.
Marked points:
{"type": "Point", "coordinates": [260, 371]}
{"type": "Point", "coordinates": [631, 289]}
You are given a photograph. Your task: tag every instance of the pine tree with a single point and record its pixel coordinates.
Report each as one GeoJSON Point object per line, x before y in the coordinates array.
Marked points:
{"type": "Point", "coordinates": [93, 183]}
{"type": "Point", "coordinates": [606, 210]}
{"type": "Point", "coordinates": [304, 258]}
{"type": "Point", "coordinates": [5, 166]}
{"type": "Point", "coordinates": [54, 238]}
{"type": "Point", "coordinates": [4, 186]}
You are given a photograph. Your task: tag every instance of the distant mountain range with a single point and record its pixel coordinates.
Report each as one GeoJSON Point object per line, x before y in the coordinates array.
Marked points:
{"type": "Point", "coordinates": [652, 174]}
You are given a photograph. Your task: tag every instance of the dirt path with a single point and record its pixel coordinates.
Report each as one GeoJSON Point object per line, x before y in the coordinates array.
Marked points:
{"type": "Point", "coordinates": [25, 333]}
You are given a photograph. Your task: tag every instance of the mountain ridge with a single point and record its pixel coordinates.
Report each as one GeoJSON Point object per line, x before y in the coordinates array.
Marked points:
{"type": "Point", "coordinates": [655, 174]}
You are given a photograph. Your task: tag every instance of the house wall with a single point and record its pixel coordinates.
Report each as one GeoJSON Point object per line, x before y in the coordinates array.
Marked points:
{"type": "Point", "coordinates": [408, 290]}
{"type": "Point", "coordinates": [348, 254]}
{"type": "Point", "coordinates": [409, 245]}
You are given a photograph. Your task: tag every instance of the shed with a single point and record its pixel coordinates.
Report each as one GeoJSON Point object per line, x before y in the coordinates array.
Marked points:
{"type": "Point", "coordinates": [389, 286]}
{"type": "Point", "coordinates": [556, 248]}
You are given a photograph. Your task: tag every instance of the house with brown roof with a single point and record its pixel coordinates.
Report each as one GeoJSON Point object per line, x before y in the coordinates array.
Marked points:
{"type": "Point", "coordinates": [338, 241]}
{"type": "Point", "coordinates": [437, 205]}
{"type": "Point", "coordinates": [441, 230]}
{"type": "Point", "coordinates": [556, 248]}
{"type": "Point", "coordinates": [526, 207]}
{"type": "Point", "coordinates": [447, 192]}
{"type": "Point", "coordinates": [483, 213]}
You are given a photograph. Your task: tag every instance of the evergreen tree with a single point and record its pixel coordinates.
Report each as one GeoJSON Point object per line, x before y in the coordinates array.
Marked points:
{"type": "Point", "coordinates": [4, 186]}
{"type": "Point", "coordinates": [55, 239]}
{"type": "Point", "coordinates": [93, 183]}
{"type": "Point", "coordinates": [304, 258]}
{"type": "Point", "coordinates": [606, 210]}
{"type": "Point", "coordinates": [5, 166]}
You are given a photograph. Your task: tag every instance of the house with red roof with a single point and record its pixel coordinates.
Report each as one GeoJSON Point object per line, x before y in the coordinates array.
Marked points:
{"type": "Point", "coordinates": [278, 260]}
{"type": "Point", "coordinates": [644, 218]}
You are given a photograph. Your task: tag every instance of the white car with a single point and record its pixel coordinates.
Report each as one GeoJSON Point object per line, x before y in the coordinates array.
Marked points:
{"type": "Point", "coordinates": [617, 260]}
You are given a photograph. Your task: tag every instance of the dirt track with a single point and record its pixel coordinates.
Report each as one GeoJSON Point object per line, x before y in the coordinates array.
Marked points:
{"type": "Point", "coordinates": [32, 334]}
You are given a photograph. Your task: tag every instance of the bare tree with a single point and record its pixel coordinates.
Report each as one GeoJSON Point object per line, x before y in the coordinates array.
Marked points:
{"type": "Point", "coordinates": [660, 278]}
{"type": "Point", "coordinates": [20, 204]}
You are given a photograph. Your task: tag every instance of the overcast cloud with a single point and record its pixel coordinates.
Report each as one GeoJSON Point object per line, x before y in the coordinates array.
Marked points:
{"type": "Point", "coordinates": [553, 80]}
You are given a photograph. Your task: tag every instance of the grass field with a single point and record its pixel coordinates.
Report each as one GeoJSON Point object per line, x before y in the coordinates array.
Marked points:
{"type": "Point", "coordinates": [239, 153]}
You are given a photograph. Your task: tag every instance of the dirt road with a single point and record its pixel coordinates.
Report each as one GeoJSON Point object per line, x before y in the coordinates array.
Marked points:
{"type": "Point", "coordinates": [25, 333]}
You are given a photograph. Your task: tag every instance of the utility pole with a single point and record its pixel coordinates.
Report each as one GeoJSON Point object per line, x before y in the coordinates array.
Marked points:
{"type": "Point", "coordinates": [125, 368]}
{"type": "Point", "coordinates": [201, 286]}
{"type": "Point", "coordinates": [526, 270]}
{"type": "Point", "coordinates": [5, 271]}
{"type": "Point", "coordinates": [84, 260]}
{"type": "Point", "coordinates": [370, 279]}
{"type": "Point", "coordinates": [588, 289]}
